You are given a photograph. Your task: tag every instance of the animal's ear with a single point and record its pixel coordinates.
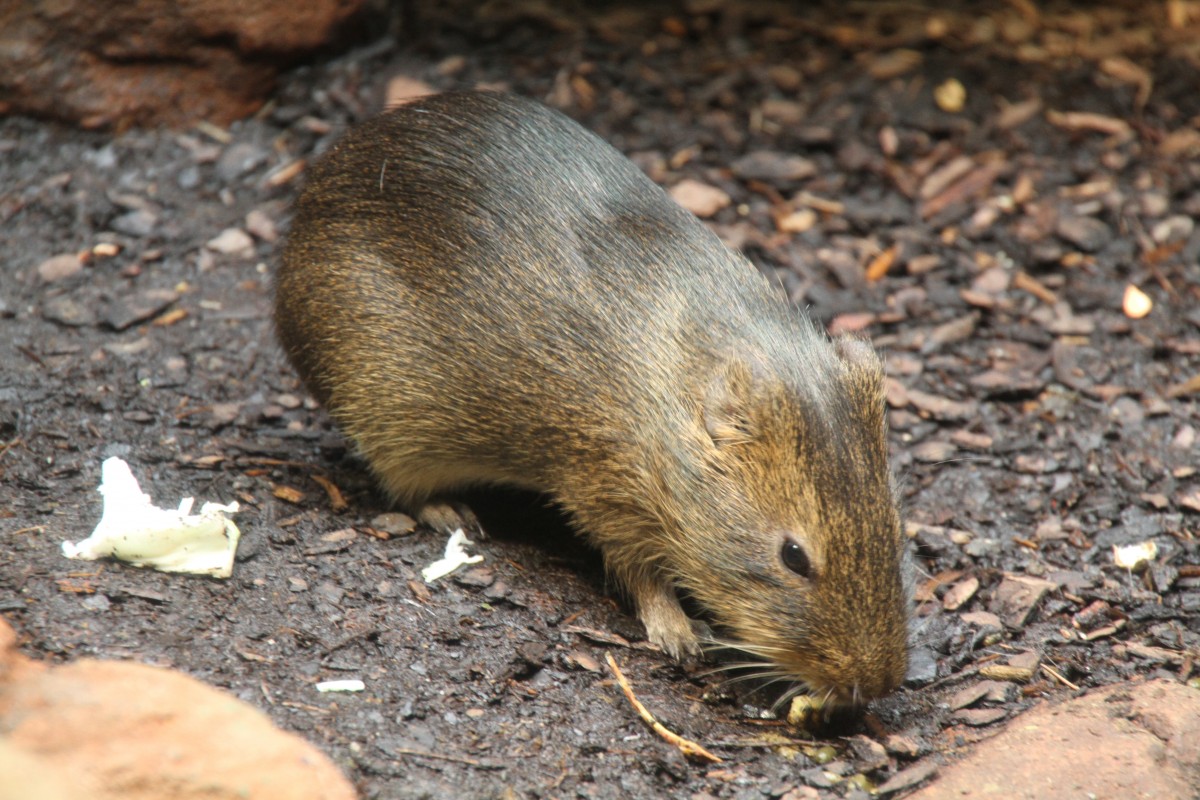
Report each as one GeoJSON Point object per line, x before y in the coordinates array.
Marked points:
{"type": "Point", "coordinates": [729, 403]}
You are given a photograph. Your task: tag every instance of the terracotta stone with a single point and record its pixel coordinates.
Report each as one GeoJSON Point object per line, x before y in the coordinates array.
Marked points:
{"type": "Point", "coordinates": [1135, 741]}
{"type": "Point", "coordinates": [115, 63]}
{"type": "Point", "coordinates": [107, 730]}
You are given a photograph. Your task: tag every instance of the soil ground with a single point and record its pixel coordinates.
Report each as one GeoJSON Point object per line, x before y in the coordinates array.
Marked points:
{"type": "Point", "coordinates": [977, 186]}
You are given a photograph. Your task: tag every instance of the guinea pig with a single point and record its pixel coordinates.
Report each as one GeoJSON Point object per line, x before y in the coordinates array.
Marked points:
{"type": "Point", "coordinates": [480, 291]}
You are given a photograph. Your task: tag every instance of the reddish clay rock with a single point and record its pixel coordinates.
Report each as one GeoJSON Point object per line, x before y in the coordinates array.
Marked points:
{"type": "Point", "coordinates": [115, 63]}
{"type": "Point", "coordinates": [109, 729]}
{"type": "Point", "coordinates": [1120, 742]}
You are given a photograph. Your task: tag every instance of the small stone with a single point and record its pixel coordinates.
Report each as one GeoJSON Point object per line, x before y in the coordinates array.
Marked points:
{"type": "Point", "coordinates": [904, 745]}
{"type": "Point", "coordinates": [908, 778]}
{"type": "Point", "coordinates": [394, 523]}
{"type": "Point", "coordinates": [127, 311]}
{"type": "Point", "coordinates": [933, 452]}
{"type": "Point", "coordinates": [57, 268]}
{"type": "Point", "coordinates": [402, 88]}
{"type": "Point", "coordinates": [96, 602]}
{"type": "Point", "coordinates": [1017, 596]}
{"type": "Point", "coordinates": [769, 165]}
{"type": "Point", "coordinates": [699, 198]}
{"type": "Point", "coordinates": [533, 653]}
{"type": "Point", "coordinates": [224, 413]}
{"type": "Point", "coordinates": [1173, 229]}
{"type": "Point", "coordinates": [943, 408]}
{"type": "Point", "coordinates": [969, 695]}
{"type": "Point", "coordinates": [978, 717]}
{"type": "Point", "coordinates": [958, 594]}
{"type": "Point", "coordinates": [260, 224]}
{"type": "Point", "coordinates": [139, 223]}
{"type": "Point", "coordinates": [870, 753]}
{"type": "Point", "coordinates": [478, 577]}
{"type": "Point", "coordinates": [287, 400]}
{"type": "Point", "coordinates": [238, 159]}
{"type": "Point", "coordinates": [1087, 233]}
{"type": "Point", "coordinates": [984, 620]}
{"type": "Point", "coordinates": [129, 349]}
{"type": "Point", "coordinates": [67, 311]}
{"type": "Point", "coordinates": [232, 241]}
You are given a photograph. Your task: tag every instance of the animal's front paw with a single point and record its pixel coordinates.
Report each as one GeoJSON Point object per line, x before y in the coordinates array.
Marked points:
{"type": "Point", "coordinates": [446, 518]}
{"type": "Point", "coordinates": [666, 624]}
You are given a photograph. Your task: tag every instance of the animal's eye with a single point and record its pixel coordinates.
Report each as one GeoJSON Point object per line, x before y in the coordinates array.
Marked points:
{"type": "Point", "coordinates": [795, 559]}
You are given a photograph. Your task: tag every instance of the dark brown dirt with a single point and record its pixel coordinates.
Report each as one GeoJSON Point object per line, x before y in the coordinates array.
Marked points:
{"type": "Point", "coordinates": [985, 250]}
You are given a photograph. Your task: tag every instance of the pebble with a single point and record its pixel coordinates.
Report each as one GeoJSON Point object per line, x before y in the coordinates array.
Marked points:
{"type": "Point", "coordinates": [60, 267]}
{"type": "Point", "coordinates": [1086, 233]}
{"type": "Point", "coordinates": [394, 523]}
{"type": "Point", "coordinates": [238, 159]}
{"type": "Point", "coordinates": [232, 241]}
{"type": "Point", "coordinates": [67, 311]}
{"type": "Point", "coordinates": [769, 165]}
{"type": "Point", "coordinates": [139, 223]}
{"type": "Point", "coordinates": [125, 312]}
{"type": "Point", "coordinates": [699, 198]}
{"type": "Point", "coordinates": [1173, 229]}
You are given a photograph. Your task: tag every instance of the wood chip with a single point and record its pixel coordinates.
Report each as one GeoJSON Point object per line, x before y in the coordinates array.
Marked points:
{"type": "Point", "coordinates": [1125, 71]}
{"type": "Point", "coordinates": [1026, 282]}
{"type": "Point", "coordinates": [1017, 596]}
{"type": "Point", "coordinates": [1014, 115]}
{"type": "Point", "coordinates": [598, 636]}
{"type": "Point", "coordinates": [942, 407]}
{"type": "Point", "coordinates": [975, 183]}
{"type": "Point", "coordinates": [337, 501]}
{"type": "Point", "coordinates": [1190, 386]}
{"type": "Point", "coordinates": [288, 494]}
{"type": "Point", "coordinates": [880, 265]}
{"type": "Point", "coordinates": [286, 173]}
{"type": "Point", "coordinates": [894, 63]}
{"type": "Point", "coordinates": [978, 717]}
{"type": "Point", "coordinates": [699, 198]}
{"type": "Point", "coordinates": [1087, 121]}
{"type": "Point", "coordinates": [908, 778]}
{"type": "Point", "coordinates": [958, 594]}
{"type": "Point", "coordinates": [1003, 672]}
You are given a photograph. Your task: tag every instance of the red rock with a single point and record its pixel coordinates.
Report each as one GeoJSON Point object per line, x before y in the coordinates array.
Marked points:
{"type": "Point", "coordinates": [1115, 743]}
{"type": "Point", "coordinates": [108, 729]}
{"type": "Point", "coordinates": [115, 63]}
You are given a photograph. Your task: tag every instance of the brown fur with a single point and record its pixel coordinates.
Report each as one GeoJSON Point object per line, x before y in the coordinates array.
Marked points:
{"type": "Point", "coordinates": [482, 292]}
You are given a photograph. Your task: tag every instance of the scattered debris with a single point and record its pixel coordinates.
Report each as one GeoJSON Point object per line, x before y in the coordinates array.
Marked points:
{"type": "Point", "coordinates": [134, 530]}
{"type": "Point", "coordinates": [455, 557]}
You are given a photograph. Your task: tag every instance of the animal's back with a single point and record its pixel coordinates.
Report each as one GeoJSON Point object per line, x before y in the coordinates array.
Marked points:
{"type": "Point", "coordinates": [482, 240]}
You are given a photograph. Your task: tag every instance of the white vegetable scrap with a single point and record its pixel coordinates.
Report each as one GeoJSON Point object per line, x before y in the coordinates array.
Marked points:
{"type": "Point", "coordinates": [133, 529]}
{"type": "Point", "coordinates": [456, 556]}
{"type": "Point", "coordinates": [1134, 555]}
{"type": "Point", "coordinates": [341, 686]}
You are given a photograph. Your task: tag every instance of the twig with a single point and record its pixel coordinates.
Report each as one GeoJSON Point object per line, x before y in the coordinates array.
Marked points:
{"type": "Point", "coordinates": [1058, 676]}
{"type": "Point", "coordinates": [689, 748]}
{"type": "Point", "coordinates": [470, 762]}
